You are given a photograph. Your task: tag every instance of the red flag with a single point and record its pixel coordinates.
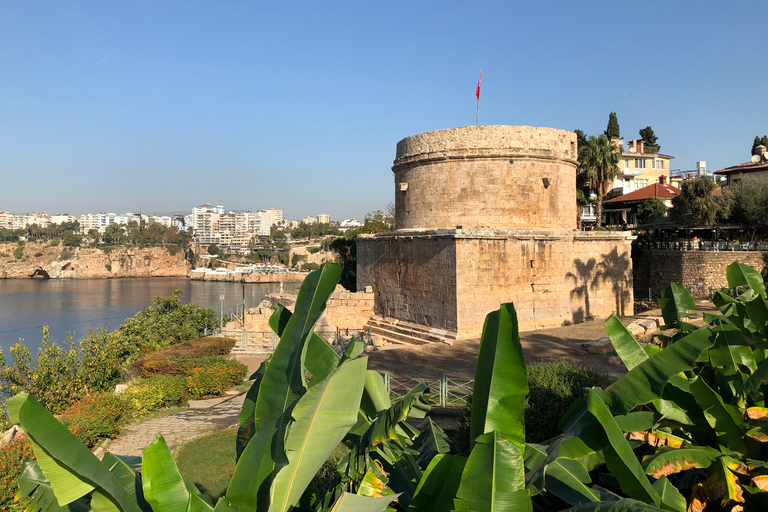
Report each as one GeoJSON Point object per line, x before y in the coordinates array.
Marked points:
{"type": "Point", "coordinates": [477, 94]}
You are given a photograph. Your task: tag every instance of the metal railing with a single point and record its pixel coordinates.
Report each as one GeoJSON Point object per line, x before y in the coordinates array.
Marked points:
{"type": "Point", "coordinates": [450, 393]}
{"type": "Point", "coordinates": [691, 245]}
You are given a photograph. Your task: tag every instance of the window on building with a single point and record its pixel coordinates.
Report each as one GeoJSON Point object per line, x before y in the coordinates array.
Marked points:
{"type": "Point", "coordinates": [640, 163]}
{"type": "Point", "coordinates": [658, 164]}
{"type": "Point", "coordinates": [626, 163]}
{"type": "Point", "coordinates": [641, 183]}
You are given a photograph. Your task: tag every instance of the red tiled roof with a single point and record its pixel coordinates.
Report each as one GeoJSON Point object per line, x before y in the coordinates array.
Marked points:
{"type": "Point", "coordinates": [746, 167]}
{"type": "Point", "coordinates": [655, 190]}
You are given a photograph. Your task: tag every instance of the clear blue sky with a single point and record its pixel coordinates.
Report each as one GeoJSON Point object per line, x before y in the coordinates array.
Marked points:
{"type": "Point", "coordinates": [108, 106]}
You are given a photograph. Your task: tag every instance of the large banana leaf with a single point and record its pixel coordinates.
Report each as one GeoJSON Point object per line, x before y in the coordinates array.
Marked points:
{"type": "Point", "coordinates": [619, 457]}
{"type": "Point", "coordinates": [675, 302]}
{"type": "Point", "coordinates": [501, 383]}
{"type": "Point", "coordinates": [246, 420]}
{"type": "Point", "coordinates": [624, 505]}
{"type": "Point", "coordinates": [431, 442]}
{"type": "Point", "coordinates": [668, 461]}
{"type": "Point", "coordinates": [439, 484]}
{"type": "Point", "coordinates": [671, 499]}
{"type": "Point", "coordinates": [163, 486]}
{"type": "Point", "coordinates": [323, 416]}
{"type": "Point", "coordinates": [739, 274]}
{"type": "Point", "coordinates": [37, 489]}
{"type": "Point", "coordinates": [646, 381]}
{"type": "Point", "coordinates": [355, 503]}
{"type": "Point", "coordinates": [282, 386]}
{"type": "Point", "coordinates": [567, 479]}
{"type": "Point", "coordinates": [375, 395]}
{"type": "Point", "coordinates": [71, 468]}
{"type": "Point", "coordinates": [321, 358]}
{"type": "Point", "coordinates": [493, 479]}
{"type": "Point", "coordinates": [725, 420]}
{"type": "Point", "coordinates": [625, 345]}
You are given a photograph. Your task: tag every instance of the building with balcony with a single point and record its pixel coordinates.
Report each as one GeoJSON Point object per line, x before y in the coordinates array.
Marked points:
{"type": "Point", "coordinates": [640, 167]}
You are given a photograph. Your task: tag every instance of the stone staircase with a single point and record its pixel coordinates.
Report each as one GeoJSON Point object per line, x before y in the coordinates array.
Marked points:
{"type": "Point", "coordinates": [407, 333]}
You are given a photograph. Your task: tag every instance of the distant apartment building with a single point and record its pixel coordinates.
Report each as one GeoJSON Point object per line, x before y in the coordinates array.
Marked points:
{"type": "Point", "coordinates": [275, 216]}
{"type": "Point", "coordinates": [309, 220]}
{"type": "Point", "coordinates": [61, 218]}
{"type": "Point", "coordinates": [21, 221]}
{"type": "Point", "coordinates": [206, 222]}
{"type": "Point", "coordinates": [323, 219]}
{"type": "Point", "coordinates": [6, 220]}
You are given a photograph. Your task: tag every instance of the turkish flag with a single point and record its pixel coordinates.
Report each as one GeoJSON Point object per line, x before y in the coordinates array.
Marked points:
{"type": "Point", "coordinates": [477, 94]}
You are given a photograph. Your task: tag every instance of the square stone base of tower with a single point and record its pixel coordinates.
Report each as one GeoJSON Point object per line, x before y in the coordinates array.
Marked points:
{"type": "Point", "coordinates": [450, 279]}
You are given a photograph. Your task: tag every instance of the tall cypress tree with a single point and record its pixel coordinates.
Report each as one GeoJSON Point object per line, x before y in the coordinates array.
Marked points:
{"type": "Point", "coordinates": [756, 143]}
{"type": "Point", "coordinates": [613, 126]}
{"type": "Point", "coordinates": [764, 141]}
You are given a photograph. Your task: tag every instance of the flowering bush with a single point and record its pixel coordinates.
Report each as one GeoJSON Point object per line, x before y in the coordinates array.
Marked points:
{"type": "Point", "coordinates": [12, 457]}
{"type": "Point", "coordinates": [216, 379]}
{"type": "Point", "coordinates": [155, 362]}
{"type": "Point", "coordinates": [95, 417]}
{"type": "Point", "coordinates": [175, 367]}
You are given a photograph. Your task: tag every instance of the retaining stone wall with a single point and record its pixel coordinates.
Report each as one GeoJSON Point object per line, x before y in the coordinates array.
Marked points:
{"type": "Point", "coordinates": [699, 271]}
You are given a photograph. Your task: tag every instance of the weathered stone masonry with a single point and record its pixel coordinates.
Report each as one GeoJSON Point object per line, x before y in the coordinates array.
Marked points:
{"type": "Point", "coordinates": [486, 215]}
{"type": "Point", "coordinates": [699, 271]}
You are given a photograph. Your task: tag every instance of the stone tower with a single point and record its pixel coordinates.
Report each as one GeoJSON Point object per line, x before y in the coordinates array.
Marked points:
{"type": "Point", "coordinates": [485, 215]}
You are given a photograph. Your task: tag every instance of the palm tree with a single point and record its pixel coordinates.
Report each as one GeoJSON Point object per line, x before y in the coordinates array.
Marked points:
{"type": "Point", "coordinates": [600, 158]}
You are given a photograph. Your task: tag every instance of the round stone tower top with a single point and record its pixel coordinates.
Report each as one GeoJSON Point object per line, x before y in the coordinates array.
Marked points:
{"type": "Point", "coordinates": [497, 177]}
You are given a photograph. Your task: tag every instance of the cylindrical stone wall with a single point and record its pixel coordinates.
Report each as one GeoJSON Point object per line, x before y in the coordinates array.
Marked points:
{"type": "Point", "coordinates": [486, 177]}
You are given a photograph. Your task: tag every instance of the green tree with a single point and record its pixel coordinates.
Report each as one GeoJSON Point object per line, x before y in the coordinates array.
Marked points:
{"type": "Point", "coordinates": [649, 210]}
{"type": "Point", "coordinates": [747, 201]}
{"type": "Point", "coordinates": [613, 126]}
{"type": "Point", "coordinates": [649, 138]}
{"type": "Point", "coordinates": [168, 323]}
{"type": "Point", "coordinates": [113, 233]}
{"type": "Point", "coordinates": [378, 222]}
{"type": "Point", "coordinates": [346, 248]}
{"type": "Point", "coordinates": [697, 205]}
{"type": "Point", "coordinates": [582, 182]}
{"type": "Point", "coordinates": [756, 143]}
{"type": "Point", "coordinates": [600, 160]}
{"type": "Point", "coordinates": [215, 250]}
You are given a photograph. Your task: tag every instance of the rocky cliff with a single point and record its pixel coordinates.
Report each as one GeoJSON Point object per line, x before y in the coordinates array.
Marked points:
{"type": "Point", "coordinates": [58, 262]}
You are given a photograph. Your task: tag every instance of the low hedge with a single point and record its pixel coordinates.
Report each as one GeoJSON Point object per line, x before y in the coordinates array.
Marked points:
{"type": "Point", "coordinates": [95, 417]}
{"type": "Point", "coordinates": [153, 393]}
{"type": "Point", "coordinates": [215, 379]}
{"type": "Point", "coordinates": [193, 349]}
{"type": "Point", "coordinates": [176, 367]}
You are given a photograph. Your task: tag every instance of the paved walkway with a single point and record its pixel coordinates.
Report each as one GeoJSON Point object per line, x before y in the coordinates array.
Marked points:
{"type": "Point", "coordinates": [177, 427]}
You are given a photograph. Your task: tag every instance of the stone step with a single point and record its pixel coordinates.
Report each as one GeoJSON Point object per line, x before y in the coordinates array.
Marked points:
{"type": "Point", "coordinates": [410, 333]}
{"type": "Point", "coordinates": [397, 338]}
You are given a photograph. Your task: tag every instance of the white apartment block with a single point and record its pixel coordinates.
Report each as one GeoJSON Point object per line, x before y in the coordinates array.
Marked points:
{"type": "Point", "coordinates": [275, 216]}
{"type": "Point", "coordinates": [309, 220]}
{"type": "Point", "coordinates": [61, 218]}
{"type": "Point", "coordinates": [6, 220]}
{"type": "Point", "coordinates": [23, 220]}
{"type": "Point", "coordinates": [323, 219]}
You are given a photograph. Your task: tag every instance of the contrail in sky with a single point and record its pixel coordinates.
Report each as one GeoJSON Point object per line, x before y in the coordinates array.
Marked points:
{"type": "Point", "coordinates": [108, 56]}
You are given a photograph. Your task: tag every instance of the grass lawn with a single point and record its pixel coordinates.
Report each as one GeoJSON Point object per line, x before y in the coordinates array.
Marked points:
{"type": "Point", "coordinates": [209, 461]}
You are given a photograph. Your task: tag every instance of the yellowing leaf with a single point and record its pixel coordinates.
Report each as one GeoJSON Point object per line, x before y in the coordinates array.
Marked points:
{"type": "Point", "coordinates": [761, 482]}
{"type": "Point", "coordinates": [757, 413]}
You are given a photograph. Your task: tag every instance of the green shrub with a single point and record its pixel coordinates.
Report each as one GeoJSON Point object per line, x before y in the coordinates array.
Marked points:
{"type": "Point", "coordinates": [18, 252]}
{"type": "Point", "coordinates": [216, 379]}
{"type": "Point", "coordinates": [38, 254]}
{"type": "Point", "coordinates": [173, 249]}
{"type": "Point", "coordinates": [60, 375]}
{"type": "Point", "coordinates": [95, 417]}
{"type": "Point", "coordinates": [553, 386]}
{"type": "Point", "coordinates": [12, 457]}
{"type": "Point", "coordinates": [108, 266]}
{"type": "Point", "coordinates": [65, 254]}
{"type": "Point", "coordinates": [151, 394]}
{"type": "Point", "coordinates": [313, 250]}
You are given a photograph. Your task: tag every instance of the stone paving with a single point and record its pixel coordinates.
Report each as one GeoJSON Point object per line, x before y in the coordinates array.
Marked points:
{"type": "Point", "coordinates": [178, 427]}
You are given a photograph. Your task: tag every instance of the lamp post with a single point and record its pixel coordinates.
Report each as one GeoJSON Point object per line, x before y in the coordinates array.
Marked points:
{"type": "Point", "coordinates": [221, 316]}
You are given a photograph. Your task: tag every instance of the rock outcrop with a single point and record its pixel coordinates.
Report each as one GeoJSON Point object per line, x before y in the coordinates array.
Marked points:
{"type": "Point", "coordinates": [40, 260]}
